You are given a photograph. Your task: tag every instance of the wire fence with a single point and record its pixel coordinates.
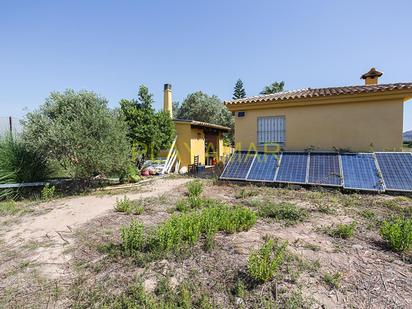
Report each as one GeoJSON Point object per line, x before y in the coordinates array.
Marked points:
{"type": "Point", "coordinates": [10, 125]}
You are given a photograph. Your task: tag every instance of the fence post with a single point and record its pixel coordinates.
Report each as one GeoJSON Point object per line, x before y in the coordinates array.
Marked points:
{"type": "Point", "coordinates": [11, 124]}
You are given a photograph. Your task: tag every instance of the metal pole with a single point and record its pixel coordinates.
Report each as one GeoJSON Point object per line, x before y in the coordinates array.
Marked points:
{"type": "Point", "coordinates": [11, 125]}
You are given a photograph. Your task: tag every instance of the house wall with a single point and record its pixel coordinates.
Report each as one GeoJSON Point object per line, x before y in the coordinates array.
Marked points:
{"type": "Point", "coordinates": [197, 145]}
{"type": "Point", "coordinates": [359, 126]}
{"type": "Point", "coordinates": [183, 143]}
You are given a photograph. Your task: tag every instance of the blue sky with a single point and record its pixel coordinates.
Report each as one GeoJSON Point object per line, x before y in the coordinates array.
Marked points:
{"type": "Point", "coordinates": [111, 47]}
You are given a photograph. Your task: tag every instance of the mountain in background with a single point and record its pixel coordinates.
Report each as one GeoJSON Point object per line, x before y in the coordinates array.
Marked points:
{"type": "Point", "coordinates": [407, 136]}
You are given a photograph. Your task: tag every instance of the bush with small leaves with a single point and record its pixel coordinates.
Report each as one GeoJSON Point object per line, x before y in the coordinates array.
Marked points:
{"type": "Point", "coordinates": [195, 188]}
{"type": "Point", "coordinates": [128, 206]}
{"type": "Point", "coordinates": [397, 232]}
{"type": "Point", "coordinates": [47, 193]}
{"type": "Point", "coordinates": [132, 237]}
{"type": "Point", "coordinates": [185, 229]}
{"type": "Point", "coordinates": [343, 231]}
{"type": "Point", "coordinates": [332, 280]}
{"type": "Point", "coordinates": [263, 264]}
{"type": "Point", "coordinates": [287, 212]}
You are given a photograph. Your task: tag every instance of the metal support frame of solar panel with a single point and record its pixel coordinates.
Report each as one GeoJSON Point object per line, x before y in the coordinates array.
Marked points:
{"type": "Point", "coordinates": [293, 168]}
{"type": "Point", "coordinates": [264, 167]}
{"type": "Point", "coordinates": [324, 169]}
{"type": "Point", "coordinates": [238, 166]}
{"type": "Point", "coordinates": [396, 169]}
{"type": "Point", "coordinates": [360, 171]}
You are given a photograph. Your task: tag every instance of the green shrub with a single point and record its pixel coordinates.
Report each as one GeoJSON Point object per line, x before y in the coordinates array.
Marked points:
{"type": "Point", "coordinates": [397, 232]}
{"type": "Point", "coordinates": [332, 280]}
{"type": "Point", "coordinates": [78, 130]}
{"type": "Point", "coordinates": [263, 264]}
{"type": "Point", "coordinates": [195, 188]}
{"type": "Point", "coordinates": [182, 205]}
{"type": "Point", "coordinates": [343, 231]}
{"type": "Point", "coordinates": [132, 237]}
{"type": "Point", "coordinates": [186, 229]}
{"type": "Point", "coordinates": [20, 164]}
{"type": "Point", "coordinates": [128, 206]}
{"type": "Point", "coordinates": [47, 193]}
{"type": "Point", "coordinates": [285, 211]}
{"type": "Point", "coordinates": [195, 201]}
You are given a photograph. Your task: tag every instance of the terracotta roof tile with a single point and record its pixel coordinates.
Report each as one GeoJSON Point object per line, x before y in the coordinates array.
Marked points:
{"type": "Point", "coordinates": [322, 92]}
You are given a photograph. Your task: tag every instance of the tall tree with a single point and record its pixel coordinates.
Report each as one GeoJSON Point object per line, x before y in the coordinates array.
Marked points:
{"type": "Point", "coordinates": [273, 88]}
{"type": "Point", "coordinates": [202, 107]}
{"type": "Point", "coordinates": [239, 91]}
{"type": "Point", "coordinates": [145, 98]}
{"type": "Point", "coordinates": [149, 130]}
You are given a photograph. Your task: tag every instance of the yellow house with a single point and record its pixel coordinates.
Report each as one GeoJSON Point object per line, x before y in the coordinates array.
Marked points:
{"type": "Point", "coordinates": [354, 118]}
{"type": "Point", "coordinates": [196, 139]}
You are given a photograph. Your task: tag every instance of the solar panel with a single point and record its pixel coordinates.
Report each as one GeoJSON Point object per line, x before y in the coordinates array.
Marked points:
{"type": "Point", "coordinates": [238, 166]}
{"type": "Point", "coordinates": [264, 167]}
{"type": "Point", "coordinates": [396, 169]}
{"type": "Point", "coordinates": [360, 172]}
{"type": "Point", "coordinates": [324, 169]}
{"type": "Point", "coordinates": [292, 167]}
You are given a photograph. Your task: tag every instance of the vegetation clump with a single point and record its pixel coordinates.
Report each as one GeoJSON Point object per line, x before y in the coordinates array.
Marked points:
{"type": "Point", "coordinates": [19, 164]}
{"type": "Point", "coordinates": [333, 280]}
{"type": "Point", "coordinates": [263, 264]}
{"type": "Point", "coordinates": [79, 131]}
{"type": "Point", "coordinates": [128, 206]}
{"type": "Point", "coordinates": [397, 232]}
{"type": "Point", "coordinates": [186, 229]}
{"type": "Point", "coordinates": [48, 192]}
{"type": "Point", "coordinates": [287, 212]}
{"type": "Point", "coordinates": [344, 231]}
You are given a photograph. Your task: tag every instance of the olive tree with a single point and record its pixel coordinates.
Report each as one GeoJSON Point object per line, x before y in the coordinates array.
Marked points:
{"type": "Point", "coordinates": [79, 131]}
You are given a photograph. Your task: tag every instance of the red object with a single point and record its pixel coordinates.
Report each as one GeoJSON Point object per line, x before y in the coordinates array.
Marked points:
{"type": "Point", "coordinates": [146, 173]}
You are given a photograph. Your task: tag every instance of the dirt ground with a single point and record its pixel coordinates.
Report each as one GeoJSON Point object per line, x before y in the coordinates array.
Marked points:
{"type": "Point", "coordinates": [53, 256]}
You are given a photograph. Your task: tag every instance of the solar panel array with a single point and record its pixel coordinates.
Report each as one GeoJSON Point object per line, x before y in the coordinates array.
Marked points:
{"type": "Point", "coordinates": [293, 166]}
{"type": "Point", "coordinates": [324, 169]}
{"type": "Point", "coordinates": [238, 166]}
{"type": "Point", "coordinates": [264, 168]}
{"type": "Point", "coordinates": [360, 172]}
{"type": "Point", "coordinates": [396, 169]}
{"type": "Point", "coordinates": [390, 171]}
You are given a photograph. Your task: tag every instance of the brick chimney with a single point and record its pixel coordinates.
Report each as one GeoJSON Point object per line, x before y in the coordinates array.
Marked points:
{"type": "Point", "coordinates": [371, 77]}
{"type": "Point", "coordinates": [167, 99]}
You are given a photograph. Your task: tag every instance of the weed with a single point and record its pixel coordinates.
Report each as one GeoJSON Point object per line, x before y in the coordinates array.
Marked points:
{"type": "Point", "coordinates": [195, 188]}
{"type": "Point", "coordinates": [245, 193]}
{"type": "Point", "coordinates": [128, 206]}
{"type": "Point", "coordinates": [332, 280]}
{"type": "Point", "coordinates": [239, 289]}
{"type": "Point", "coordinates": [285, 211]}
{"type": "Point", "coordinates": [185, 229]}
{"type": "Point", "coordinates": [8, 208]}
{"type": "Point", "coordinates": [182, 205]}
{"type": "Point", "coordinates": [263, 264]}
{"type": "Point", "coordinates": [195, 201]}
{"type": "Point", "coordinates": [48, 192]}
{"type": "Point", "coordinates": [326, 209]}
{"type": "Point", "coordinates": [367, 214]}
{"type": "Point", "coordinates": [397, 232]}
{"type": "Point", "coordinates": [343, 231]}
{"type": "Point", "coordinates": [132, 237]}
{"type": "Point", "coordinates": [312, 247]}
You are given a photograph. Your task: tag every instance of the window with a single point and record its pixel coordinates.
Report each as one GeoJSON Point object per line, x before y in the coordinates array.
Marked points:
{"type": "Point", "coordinates": [271, 130]}
{"type": "Point", "coordinates": [241, 114]}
